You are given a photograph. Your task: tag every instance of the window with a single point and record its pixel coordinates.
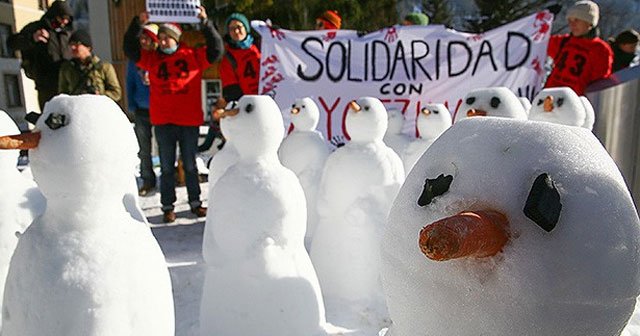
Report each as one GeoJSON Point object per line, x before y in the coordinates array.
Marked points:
{"type": "Point", "coordinates": [12, 90]}
{"type": "Point", "coordinates": [5, 32]}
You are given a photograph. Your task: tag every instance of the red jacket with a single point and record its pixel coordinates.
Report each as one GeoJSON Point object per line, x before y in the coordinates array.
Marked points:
{"type": "Point", "coordinates": [578, 61]}
{"type": "Point", "coordinates": [175, 83]}
{"type": "Point", "coordinates": [245, 73]}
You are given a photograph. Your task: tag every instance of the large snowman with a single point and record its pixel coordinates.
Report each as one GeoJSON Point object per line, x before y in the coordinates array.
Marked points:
{"type": "Point", "coordinates": [305, 151]}
{"type": "Point", "coordinates": [432, 120]}
{"type": "Point", "coordinates": [358, 185]}
{"type": "Point", "coordinates": [86, 267]}
{"type": "Point", "coordinates": [20, 201]}
{"type": "Point", "coordinates": [509, 227]}
{"type": "Point", "coordinates": [561, 105]}
{"type": "Point", "coordinates": [497, 101]}
{"type": "Point", "coordinates": [259, 279]}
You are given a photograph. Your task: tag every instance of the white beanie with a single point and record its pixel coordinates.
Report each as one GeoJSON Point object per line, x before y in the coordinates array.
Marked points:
{"type": "Point", "coordinates": [586, 11]}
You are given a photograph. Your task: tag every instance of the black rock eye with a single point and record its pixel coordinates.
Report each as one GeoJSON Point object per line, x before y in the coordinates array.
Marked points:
{"type": "Point", "coordinates": [495, 102]}
{"type": "Point", "coordinates": [293, 106]}
{"type": "Point", "coordinates": [234, 104]}
{"type": "Point", "coordinates": [248, 108]}
{"type": "Point", "coordinates": [436, 111]}
{"type": "Point", "coordinates": [304, 106]}
{"type": "Point", "coordinates": [560, 102]}
{"type": "Point", "coordinates": [540, 101]}
{"type": "Point", "coordinates": [366, 108]}
{"type": "Point", "coordinates": [32, 117]}
{"type": "Point", "coordinates": [434, 188]}
{"type": "Point", "coordinates": [543, 203]}
{"type": "Point", "coordinates": [55, 121]}
{"type": "Point", "coordinates": [470, 100]}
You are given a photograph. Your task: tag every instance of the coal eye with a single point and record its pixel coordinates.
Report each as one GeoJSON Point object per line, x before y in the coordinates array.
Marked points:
{"type": "Point", "coordinates": [304, 106]}
{"type": "Point", "coordinates": [495, 102]}
{"type": "Point", "coordinates": [540, 101]}
{"type": "Point", "coordinates": [234, 104]}
{"type": "Point", "coordinates": [32, 117]}
{"type": "Point", "coordinates": [436, 111]}
{"type": "Point", "coordinates": [543, 203]}
{"type": "Point", "coordinates": [249, 108]}
{"type": "Point", "coordinates": [55, 121]}
{"type": "Point", "coordinates": [470, 100]}
{"type": "Point", "coordinates": [560, 102]}
{"type": "Point", "coordinates": [293, 106]}
{"type": "Point", "coordinates": [366, 108]}
{"type": "Point", "coordinates": [434, 188]}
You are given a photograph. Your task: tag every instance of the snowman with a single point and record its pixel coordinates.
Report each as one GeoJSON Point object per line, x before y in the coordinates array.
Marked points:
{"type": "Point", "coordinates": [259, 279]}
{"type": "Point", "coordinates": [20, 202]}
{"type": "Point", "coordinates": [394, 137]}
{"type": "Point", "coordinates": [357, 188]}
{"type": "Point", "coordinates": [492, 102]}
{"type": "Point", "coordinates": [86, 267]}
{"type": "Point", "coordinates": [511, 227]}
{"type": "Point", "coordinates": [305, 151]}
{"type": "Point", "coordinates": [561, 105]}
{"type": "Point", "coordinates": [526, 103]}
{"type": "Point", "coordinates": [432, 120]}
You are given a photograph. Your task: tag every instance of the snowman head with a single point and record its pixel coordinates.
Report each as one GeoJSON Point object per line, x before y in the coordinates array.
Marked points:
{"type": "Point", "coordinates": [305, 114]}
{"type": "Point", "coordinates": [492, 102]}
{"type": "Point", "coordinates": [255, 125]}
{"type": "Point", "coordinates": [560, 105]}
{"type": "Point", "coordinates": [8, 158]}
{"type": "Point", "coordinates": [87, 148]}
{"type": "Point", "coordinates": [506, 224]}
{"type": "Point", "coordinates": [432, 120]}
{"type": "Point", "coordinates": [366, 120]}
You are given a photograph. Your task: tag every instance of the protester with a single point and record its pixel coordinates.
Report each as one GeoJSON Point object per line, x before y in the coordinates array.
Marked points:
{"type": "Point", "coordinates": [175, 76]}
{"type": "Point", "coordinates": [581, 57]}
{"type": "Point", "coordinates": [44, 47]}
{"type": "Point", "coordinates": [415, 19]}
{"type": "Point", "coordinates": [329, 19]}
{"type": "Point", "coordinates": [624, 49]}
{"type": "Point", "coordinates": [85, 73]}
{"type": "Point", "coordinates": [138, 99]}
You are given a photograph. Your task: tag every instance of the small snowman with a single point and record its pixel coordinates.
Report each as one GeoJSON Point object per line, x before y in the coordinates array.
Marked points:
{"type": "Point", "coordinates": [432, 120]}
{"type": "Point", "coordinates": [561, 105]}
{"type": "Point", "coordinates": [86, 267]}
{"type": "Point", "coordinates": [359, 183]}
{"type": "Point", "coordinates": [493, 102]}
{"type": "Point", "coordinates": [394, 137]}
{"type": "Point", "coordinates": [259, 279]}
{"type": "Point", "coordinates": [305, 151]}
{"type": "Point", "coordinates": [512, 227]}
{"type": "Point", "coordinates": [20, 202]}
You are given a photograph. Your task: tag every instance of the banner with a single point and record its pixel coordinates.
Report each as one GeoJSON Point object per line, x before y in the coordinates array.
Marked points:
{"type": "Point", "coordinates": [181, 11]}
{"type": "Point", "coordinates": [404, 66]}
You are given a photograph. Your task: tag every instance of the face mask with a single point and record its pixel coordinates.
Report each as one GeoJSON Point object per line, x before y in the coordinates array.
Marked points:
{"type": "Point", "coordinates": [169, 50]}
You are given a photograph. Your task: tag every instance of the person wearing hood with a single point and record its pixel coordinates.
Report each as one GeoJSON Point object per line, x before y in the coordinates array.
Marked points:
{"type": "Point", "coordinates": [580, 57]}
{"type": "Point", "coordinates": [240, 66]}
{"type": "Point", "coordinates": [175, 101]}
{"type": "Point", "coordinates": [44, 45]}
{"type": "Point", "coordinates": [624, 47]}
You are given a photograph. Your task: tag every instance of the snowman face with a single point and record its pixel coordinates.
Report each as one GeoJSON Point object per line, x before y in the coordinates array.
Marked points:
{"type": "Point", "coordinates": [8, 158]}
{"type": "Point", "coordinates": [550, 190]}
{"type": "Point", "coordinates": [366, 120]}
{"type": "Point", "coordinates": [255, 126]}
{"type": "Point", "coordinates": [492, 102]}
{"type": "Point", "coordinates": [558, 105]}
{"type": "Point", "coordinates": [87, 144]}
{"type": "Point", "coordinates": [432, 120]}
{"type": "Point", "coordinates": [305, 114]}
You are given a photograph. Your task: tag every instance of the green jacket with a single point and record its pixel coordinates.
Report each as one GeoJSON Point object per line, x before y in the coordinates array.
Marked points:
{"type": "Point", "coordinates": [95, 77]}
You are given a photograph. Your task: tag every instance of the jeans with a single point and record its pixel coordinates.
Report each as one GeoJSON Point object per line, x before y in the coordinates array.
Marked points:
{"type": "Point", "coordinates": [187, 137]}
{"type": "Point", "coordinates": [142, 128]}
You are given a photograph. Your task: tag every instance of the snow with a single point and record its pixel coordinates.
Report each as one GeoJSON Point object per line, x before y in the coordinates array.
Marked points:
{"type": "Point", "coordinates": [493, 102]}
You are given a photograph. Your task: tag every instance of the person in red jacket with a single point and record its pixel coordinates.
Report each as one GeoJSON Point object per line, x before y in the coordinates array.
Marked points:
{"type": "Point", "coordinates": [581, 57]}
{"type": "Point", "coordinates": [175, 77]}
{"type": "Point", "coordinates": [240, 66]}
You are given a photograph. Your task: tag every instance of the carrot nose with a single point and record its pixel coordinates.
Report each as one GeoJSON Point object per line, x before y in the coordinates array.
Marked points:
{"type": "Point", "coordinates": [354, 106]}
{"type": "Point", "coordinates": [548, 104]}
{"type": "Point", "coordinates": [476, 113]}
{"type": "Point", "coordinates": [476, 234]}
{"type": "Point", "coordinates": [295, 110]}
{"type": "Point", "coordinates": [20, 141]}
{"type": "Point", "coordinates": [425, 111]}
{"type": "Point", "coordinates": [230, 113]}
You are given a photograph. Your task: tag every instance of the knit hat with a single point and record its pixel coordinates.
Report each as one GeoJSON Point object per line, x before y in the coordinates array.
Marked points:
{"type": "Point", "coordinates": [172, 29]}
{"type": "Point", "coordinates": [238, 17]}
{"type": "Point", "coordinates": [59, 8]}
{"type": "Point", "coordinates": [331, 18]}
{"type": "Point", "coordinates": [586, 11]}
{"type": "Point", "coordinates": [151, 30]}
{"type": "Point", "coordinates": [627, 36]}
{"type": "Point", "coordinates": [418, 19]}
{"type": "Point", "coordinates": [81, 36]}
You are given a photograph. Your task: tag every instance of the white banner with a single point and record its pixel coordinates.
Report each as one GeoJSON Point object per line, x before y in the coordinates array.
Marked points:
{"type": "Point", "coordinates": [404, 66]}
{"type": "Point", "coordinates": [181, 11]}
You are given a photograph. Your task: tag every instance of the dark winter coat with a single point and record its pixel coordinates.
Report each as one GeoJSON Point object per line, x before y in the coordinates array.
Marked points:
{"type": "Point", "coordinates": [93, 77]}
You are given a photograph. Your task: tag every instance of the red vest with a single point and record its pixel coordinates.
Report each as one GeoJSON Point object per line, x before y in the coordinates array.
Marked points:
{"type": "Point", "coordinates": [175, 85]}
{"type": "Point", "coordinates": [245, 72]}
